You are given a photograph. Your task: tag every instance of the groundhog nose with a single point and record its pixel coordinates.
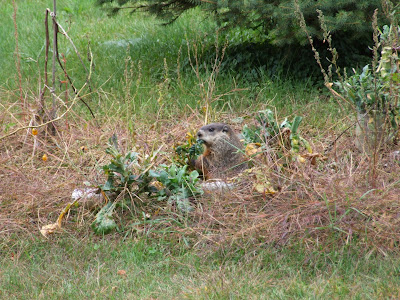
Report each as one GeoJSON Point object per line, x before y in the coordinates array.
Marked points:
{"type": "Point", "coordinates": [199, 135]}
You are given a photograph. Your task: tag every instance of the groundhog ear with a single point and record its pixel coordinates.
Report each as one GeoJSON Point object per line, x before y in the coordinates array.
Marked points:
{"type": "Point", "coordinates": [225, 129]}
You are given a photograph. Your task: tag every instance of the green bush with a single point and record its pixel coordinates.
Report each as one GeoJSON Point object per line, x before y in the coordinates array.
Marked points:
{"type": "Point", "coordinates": [273, 20]}
{"type": "Point", "coordinates": [265, 32]}
{"type": "Point", "coordinates": [375, 94]}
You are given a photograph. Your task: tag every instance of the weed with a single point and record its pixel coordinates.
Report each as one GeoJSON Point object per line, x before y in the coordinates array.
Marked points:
{"type": "Point", "coordinates": [178, 185]}
{"type": "Point", "coordinates": [104, 222]}
{"type": "Point", "coordinates": [188, 152]}
{"type": "Point", "coordinates": [375, 94]}
{"type": "Point", "coordinates": [121, 181]}
{"type": "Point", "coordinates": [119, 171]}
{"type": "Point", "coordinates": [269, 132]}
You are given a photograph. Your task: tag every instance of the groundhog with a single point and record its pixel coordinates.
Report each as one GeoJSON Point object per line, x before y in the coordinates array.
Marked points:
{"type": "Point", "coordinates": [222, 156]}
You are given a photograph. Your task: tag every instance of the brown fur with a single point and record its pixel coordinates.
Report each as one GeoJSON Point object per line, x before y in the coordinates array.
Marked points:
{"type": "Point", "coordinates": [222, 155]}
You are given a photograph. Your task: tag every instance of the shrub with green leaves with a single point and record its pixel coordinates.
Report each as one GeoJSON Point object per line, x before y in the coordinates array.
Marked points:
{"type": "Point", "coordinates": [375, 92]}
{"type": "Point", "coordinates": [266, 32]}
{"type": "Point", "coordinates": [179, 186]}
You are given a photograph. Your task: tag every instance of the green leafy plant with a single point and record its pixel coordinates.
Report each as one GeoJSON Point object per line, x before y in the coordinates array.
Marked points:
{"type": "Point", "coordinates": [120, 171]}
{"type": "Point", "coordinates": [178, 185]}
{"type": "Point", "coordinates": [104, 222]}
{"type": "Point", "coordinates": [375, 94]}
{"type": "Point", "coordinates": [284, 134]}
{"type": "Point", "coordinates": [124, 174]}
{"type": "Point", "coordinates": [188, 152]}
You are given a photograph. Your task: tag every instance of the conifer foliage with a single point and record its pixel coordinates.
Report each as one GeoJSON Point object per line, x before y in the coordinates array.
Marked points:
{"type": "Point", "coordinates": [274, 20]}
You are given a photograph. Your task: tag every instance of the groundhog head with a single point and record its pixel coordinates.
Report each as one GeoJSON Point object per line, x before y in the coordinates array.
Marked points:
{"type": "Point", "coordinates": [212, 132]}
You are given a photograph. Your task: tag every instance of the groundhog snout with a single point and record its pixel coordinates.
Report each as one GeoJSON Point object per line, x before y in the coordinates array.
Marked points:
{"type": "Point", "coordinates": [204, 134]}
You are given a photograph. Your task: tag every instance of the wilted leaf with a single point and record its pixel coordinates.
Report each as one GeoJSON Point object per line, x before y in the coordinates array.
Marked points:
{"type": "Point", "coordinates": [261, 184]}
{"type": "Point", "coordinates": [312, 157]}
{"type": "Point", "coordinates": [264, 188]}
{"type": "Point", "coordinates": [253, 149]}
{"type": "Point", "coordinates": [300, 159]}
{"type": "Point", "coordinates": [51, 228]}
{"type": "Point", "coordinates": [64, 211]}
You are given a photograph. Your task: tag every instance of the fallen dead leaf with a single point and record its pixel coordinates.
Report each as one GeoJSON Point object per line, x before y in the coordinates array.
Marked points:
{"type": "Point", "coordinates": [49, 229]}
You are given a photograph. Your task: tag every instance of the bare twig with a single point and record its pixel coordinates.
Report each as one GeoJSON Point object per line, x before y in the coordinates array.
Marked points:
{"type": "Point", "coordinates": [46, 58]}
{"type": "Point", "coordinates": [17, 56]}
{"type": "Point", "coordinates": [65, 71]}
{"type": "Point", "coordinates": [76, 98]}
{"type": "Point", "coordinates": [77, 53]}
{"type": "Point", "coordinates": [53, 82]}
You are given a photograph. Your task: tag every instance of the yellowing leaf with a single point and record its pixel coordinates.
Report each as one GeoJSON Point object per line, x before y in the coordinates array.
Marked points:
{"type": "Point", "coordinates": [253, 149]}
{"type": "Point", "coordinates": [158, 185]}
{"type": "Point", "coordinates": [312, 157]}
{"type": "Point", "coordinates": [64, 211]}
{"type": "Point", "coordinates": [51, 228]}
{"type": "Point", "coordinates": [264, 188]}
{"type": "Point", "coordinates": [261, 184]}
{"type": "Point", "coordinates": [189, 135]}
{"type": "Point", "coordinates": [300, 159]}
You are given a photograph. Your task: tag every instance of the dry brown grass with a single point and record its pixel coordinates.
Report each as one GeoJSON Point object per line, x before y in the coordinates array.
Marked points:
{"type": "Point", "coordinates": [320, 205]}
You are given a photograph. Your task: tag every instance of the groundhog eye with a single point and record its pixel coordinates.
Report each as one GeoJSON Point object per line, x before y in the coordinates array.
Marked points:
{"type": "Point", "coordinates": [211, 129]}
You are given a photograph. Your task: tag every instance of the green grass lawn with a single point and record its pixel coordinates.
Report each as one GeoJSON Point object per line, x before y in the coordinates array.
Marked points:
{"type": "Point", "coordinates": [71, 268]}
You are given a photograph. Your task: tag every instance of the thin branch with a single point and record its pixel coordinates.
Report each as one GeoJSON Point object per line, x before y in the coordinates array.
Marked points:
{"type": "Point", "coordinates": [76, 51]}
{"type": "Point", "coordinates": [46, 123]}
{"type": "Point", "coordinates": [76, 98]}
{"type": "Point", "coordinates": [17, 56]}
{"type": "Point", "coordinates": [53, 87]}
{"type": "Point", "coordinates": [72, 84]}
{"type": "Point", "coordinates": [46, 58]}
{"type": "Point", "coordinates": [56, 52]}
